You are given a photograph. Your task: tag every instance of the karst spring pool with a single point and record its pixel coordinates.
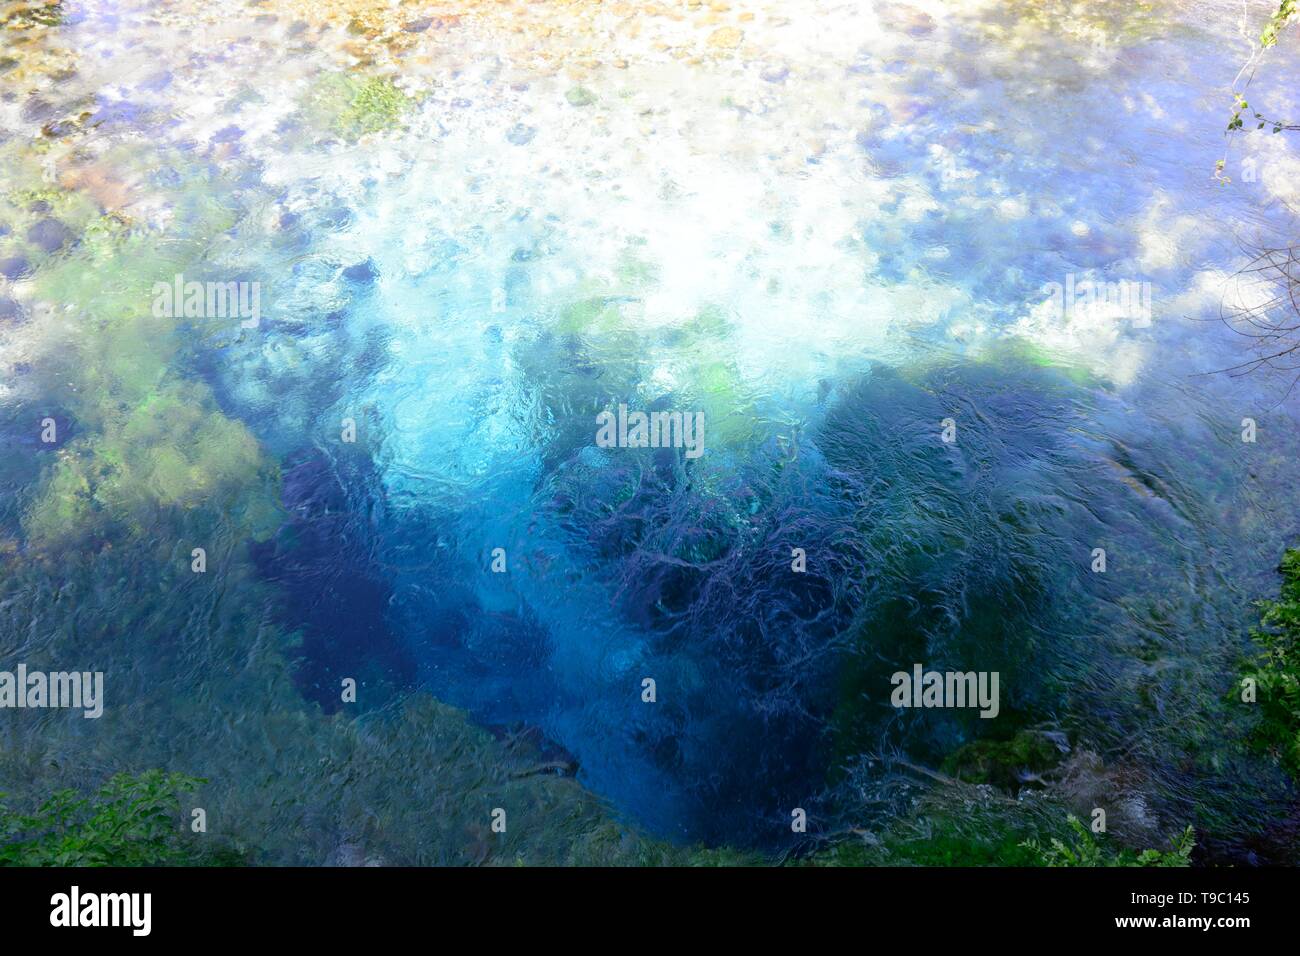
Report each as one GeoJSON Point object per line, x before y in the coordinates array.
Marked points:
{"type": "Point", "coordinates": [311, 314]}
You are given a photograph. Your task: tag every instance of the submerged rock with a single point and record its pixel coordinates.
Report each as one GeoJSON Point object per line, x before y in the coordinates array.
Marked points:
{"type": "Point", "coordinates": [50, 235]}
{"type": "Point", "coordinates": [362, 273]}
{"type": "Point", "coordinates": [59, 129]}
{"type": "Point", "coordinates": [338, 217]}
{"type": "Point", "coordinates": [521, 134]}
{"type": "Point", "coordinates": [580, 96]}
{"type": "Point", "coordinates": [15, 267]}
{"type": "Point", "coordinates": [38, 109]}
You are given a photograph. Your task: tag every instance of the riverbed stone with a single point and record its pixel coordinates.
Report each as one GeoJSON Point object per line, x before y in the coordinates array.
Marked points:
{"type": "Point", "coordinates": [15, 267]}
{"type": "Point", "coordinates": [49, 235]}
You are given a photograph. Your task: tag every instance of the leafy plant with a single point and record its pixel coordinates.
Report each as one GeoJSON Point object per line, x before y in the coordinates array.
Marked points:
{"type": "Point", "coordinates": [1084, 849]}
{"type": "Point", "coordinates": [376, 104]}
{"type": "Point", "coordinates": [1276, 671]}
{"type": "Point", "coordinates": [1286, 13]}
{"type": "Point", "coordinates": [1286, 10]}
{"type": "Point", "coordinates": [129, 821]}
{"type": "Point", "coordinates": [353, 106]}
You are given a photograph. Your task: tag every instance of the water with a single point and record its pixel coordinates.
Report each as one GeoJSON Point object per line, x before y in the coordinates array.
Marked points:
{"type": "Point", "coordinates": [829, 231]}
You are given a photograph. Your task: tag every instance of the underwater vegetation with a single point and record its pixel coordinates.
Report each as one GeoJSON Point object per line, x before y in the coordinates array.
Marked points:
{"type": "Point", "coordinates": [976, 830]}
{"type": "Point", "coordinates": [1275, 672]}
{"type": "Point", "coordinates": [354, 107]}
{"type": "Point", "coordinates": [129, 821]}
{"type": "Point", "coordinates": [359, 575]}
{"type": "Point", "coordinates": [1085, 851]}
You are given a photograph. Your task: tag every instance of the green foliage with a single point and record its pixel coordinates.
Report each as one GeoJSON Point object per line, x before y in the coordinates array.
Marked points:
{"type": "Point", "coordinates": [376, 105]}
{"type": "Point", "coordinates": [1286, 11]}
{"type": "Point", "coordinates": [946, 846]}
{"type": "Point", "coordinates": [129, 821]}
{"type": "Point", "coordinates": [1084, 849]}
{"type": "Point", "coordinates": [1003, 763]}
{"type": "Point", "coordinates": [580, 96]}
{"type": "Point", "coordinates": [1276, 671]}
{"type": "Point", "coordinates": [49, 14]}
{"type": "Point", "coordinates": [725, 856]}
{"type": "Point", "coordinates": [953, 826]}
{"type": "Point", "coordinates": [174, 449]}
{"type": "Point", "coordinates": [355, 107]}
{"type": "Point", "coordinates": [1242, 106]}
{"type": "Point", "coordinates": [960, 825]}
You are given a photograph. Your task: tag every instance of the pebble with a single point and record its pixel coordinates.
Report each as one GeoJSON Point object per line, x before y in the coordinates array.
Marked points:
{"type": "Point", "coordinates": [521, 134]}
{"type": "Point", "coordinates": [580, 96]}
{"type": "Point", "coordinates": [726, 38]}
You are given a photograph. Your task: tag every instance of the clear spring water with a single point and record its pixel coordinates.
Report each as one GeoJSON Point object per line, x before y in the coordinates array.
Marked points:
{"type": "Point", "coordinates": [828, 226]}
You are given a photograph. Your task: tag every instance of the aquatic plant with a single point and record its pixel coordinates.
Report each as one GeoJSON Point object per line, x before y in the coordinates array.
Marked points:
{"type": "Point", "coordinates": [354, 107]}
{"type": "Point", "coordinates": [1276, 670]}
{"type": "Point", "coordinates": [44, 13]}
{"type": "Point", "coordinates": [815, 253]}
{"type": "Point", "coordinates": [1007, 764]}
{"type": "Point", "coordinates": [172, 449]}
{"type": "Point", "coordinates": [950, 823]}
{"type": "Point", "coordinates": [131, 820]}
{"type": "Point", "coordinates": [412, 782]}
{"type": "Point", "coordinates": [1085, 849]}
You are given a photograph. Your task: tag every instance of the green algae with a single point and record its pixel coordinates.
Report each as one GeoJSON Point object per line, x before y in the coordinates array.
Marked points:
{"type": "Point", "coordinates": [35, 15]}
{"type": "Point", "coordinates": [354, 107]}
{"type": "Point", "coordinates": [959, 825]}
{"type": "Point", "coordinates": [1018, 351]}
{"type": "Point", "coordinates": [1096, 23]}
{"type": "Point", "coordinates": [1005, 764]}
{"type": "Point", "coordinates": [634, 271]}
{"type": "Point", "coordinates": [131, 820]}
{"type": "Point", "coordinates": [580, 96]}
{"type": "Point", "coordinates": [173, 449]}
{"type": "Point", "coordinates": [1084, 848]}
{"type": "Point", "coordinates": [1275, 672]}
{"type": "Point", "coordinates": [21, 207]}
{"type": "Point", "coordinates": [594, 315]}
{"type": "Point", "coordinates": [147, 440]}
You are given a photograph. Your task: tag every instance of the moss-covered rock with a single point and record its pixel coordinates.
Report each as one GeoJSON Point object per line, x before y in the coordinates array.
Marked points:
{"type": "Point", "coordinates": [1005, 764]}
{"type": "Point", "coordinates": [354, 106]}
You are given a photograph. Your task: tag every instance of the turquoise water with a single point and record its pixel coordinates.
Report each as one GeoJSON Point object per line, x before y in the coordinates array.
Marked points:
{"type": "Point", "coordinates": [829, 239]}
